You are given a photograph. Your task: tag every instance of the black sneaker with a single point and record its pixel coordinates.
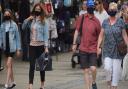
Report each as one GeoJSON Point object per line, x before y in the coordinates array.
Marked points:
{"type": "Point", "coordinates": [7, 88]}
{"type": "Point", "coordinates": [94, 86]}
{"type": "Point", "coordinates": [41, 88]}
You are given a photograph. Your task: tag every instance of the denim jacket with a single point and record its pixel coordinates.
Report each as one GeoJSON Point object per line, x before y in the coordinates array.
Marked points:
{"type": "Point", "coordinates": [42, 30]}
{"type": "Point", "coordinates": [14, 36]}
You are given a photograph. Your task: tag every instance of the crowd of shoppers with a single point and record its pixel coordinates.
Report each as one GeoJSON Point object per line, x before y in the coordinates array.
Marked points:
{"type": "Point", "coordinates": [10, 42]}
{"type": "Point", "coordinates": [101, 32]}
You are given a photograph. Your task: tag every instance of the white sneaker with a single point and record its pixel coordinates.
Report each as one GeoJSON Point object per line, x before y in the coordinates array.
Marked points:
{"type": "Point", "coordinates": [6, 87]}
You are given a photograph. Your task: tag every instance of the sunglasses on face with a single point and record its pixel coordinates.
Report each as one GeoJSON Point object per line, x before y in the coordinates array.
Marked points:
{"type": "Point", "coordinates": [97, 3]}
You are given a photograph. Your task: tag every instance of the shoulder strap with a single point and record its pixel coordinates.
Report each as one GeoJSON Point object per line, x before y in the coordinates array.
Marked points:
{"type": "Point", "coordinates": [81, 25]}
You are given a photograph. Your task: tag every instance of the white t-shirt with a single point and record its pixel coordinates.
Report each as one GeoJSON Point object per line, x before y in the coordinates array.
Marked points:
{"type": "Point", "coordinates": [101, 16]}
{"type": "Point", "coordinates": [7, 26]}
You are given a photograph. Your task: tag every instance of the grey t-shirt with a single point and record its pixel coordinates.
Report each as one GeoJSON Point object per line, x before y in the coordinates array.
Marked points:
{"type": "Point", "coordinates": [113, 36]}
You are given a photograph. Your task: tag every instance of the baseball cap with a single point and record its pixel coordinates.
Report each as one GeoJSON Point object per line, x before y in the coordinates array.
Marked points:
{"type": "Point", "coordinates": [90, 3]}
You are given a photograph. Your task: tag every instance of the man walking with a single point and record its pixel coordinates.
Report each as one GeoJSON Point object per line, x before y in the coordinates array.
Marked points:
{"type": "Point", "coordinates": [88, 45]}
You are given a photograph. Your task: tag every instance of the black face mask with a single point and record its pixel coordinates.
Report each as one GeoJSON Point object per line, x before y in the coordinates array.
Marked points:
{"type": "Point", "coordinates": [112, 13]}
{"type": "Point", "coordinates": [37, 13]}
{"type": "Point", "coordinates": [7, 18]}
{"type": "Point", "coordinates": [90, 10]}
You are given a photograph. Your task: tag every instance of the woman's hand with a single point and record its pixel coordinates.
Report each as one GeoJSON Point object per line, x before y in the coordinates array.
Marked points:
{"type": "Point", "coordinates": [30, 18]}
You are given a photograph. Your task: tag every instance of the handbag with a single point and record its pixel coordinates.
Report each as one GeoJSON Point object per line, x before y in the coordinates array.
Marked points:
{"type": "Point", "coordinates": [78, 40]}
{"type": "Point", "coordinates": [43, 63]}
{"type": "Point", "coordinates": [122, 48]}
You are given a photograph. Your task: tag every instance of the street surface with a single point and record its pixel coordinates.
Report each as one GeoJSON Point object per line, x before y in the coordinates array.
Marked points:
{"type": "Point", "coordinates": [62, 76]}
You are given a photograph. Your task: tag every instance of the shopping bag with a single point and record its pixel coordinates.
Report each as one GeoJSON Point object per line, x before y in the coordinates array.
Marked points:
{"type": "Point", "coordinates": [44, 63]}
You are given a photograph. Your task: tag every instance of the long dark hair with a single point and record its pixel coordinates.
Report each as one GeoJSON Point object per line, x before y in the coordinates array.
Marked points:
{"type": "Point", "coordinates": [42, 12]}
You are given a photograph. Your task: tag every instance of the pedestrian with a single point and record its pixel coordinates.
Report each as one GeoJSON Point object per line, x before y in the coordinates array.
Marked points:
{"type": "Point", "coordinates": [10, 38]}
{"type": "Point", "coordinates": [113, 31]}
{"type": "Point", "coordinates": [125, 15]}
{"type": "Point", "coordinates": [24, 12]}
{"type": "Point", "coordinates": [1, 67]}
{"type": "Point", "coordinates": [100, 12]}
{"type": "Point", "coordinates": [88, 45]}
{"type": "Point", "coordinates": [83, 8]}
{"type": "Point", "coordinates": [38, 40]}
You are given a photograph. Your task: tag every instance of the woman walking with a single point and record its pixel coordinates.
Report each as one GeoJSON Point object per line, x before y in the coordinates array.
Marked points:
{"type": "Point", "coordinates": [11, 43]}
{"type": "Point", "coordinates": [38, 40]}
{"type": "Point", "coordinates": [113, 32]}
{"type": "Point", "coordinates": [1, 67]}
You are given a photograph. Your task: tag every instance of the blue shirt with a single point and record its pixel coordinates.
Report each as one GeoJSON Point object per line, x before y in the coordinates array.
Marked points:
{"type": "Point", "coordinates": [42, 32]}
{"type": "Point", "coordinates": [14, 36]}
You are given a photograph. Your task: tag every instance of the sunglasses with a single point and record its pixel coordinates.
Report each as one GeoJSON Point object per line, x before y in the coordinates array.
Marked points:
{"type": "Point", "coordinates": [97, 3]}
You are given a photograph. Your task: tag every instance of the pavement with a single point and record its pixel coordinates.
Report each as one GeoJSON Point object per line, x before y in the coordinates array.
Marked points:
{"type": "Point", "coordinates": [61, 77]}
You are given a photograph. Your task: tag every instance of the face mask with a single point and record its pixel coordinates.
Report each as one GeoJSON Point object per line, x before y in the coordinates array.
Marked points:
{"type": "Point", "coordinates": [37, 13]}
{"type": "Point", "coordinates": [112, 13]}
{"type": "Point", "coordinates": [90, 10]}
{"type": "Point", "coordinates": [7, 17]}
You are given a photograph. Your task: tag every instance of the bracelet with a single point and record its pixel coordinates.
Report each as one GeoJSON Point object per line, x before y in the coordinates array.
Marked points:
{"type": "Point", "coordinates": [74, 44]}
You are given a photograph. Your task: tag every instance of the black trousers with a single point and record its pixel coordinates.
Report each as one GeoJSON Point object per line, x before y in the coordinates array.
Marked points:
{"type": "Point", "coordinates": [35, 52]}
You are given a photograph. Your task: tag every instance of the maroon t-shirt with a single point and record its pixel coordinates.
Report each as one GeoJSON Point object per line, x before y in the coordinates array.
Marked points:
{"type": "Point", "coordinates": [90, 33]}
